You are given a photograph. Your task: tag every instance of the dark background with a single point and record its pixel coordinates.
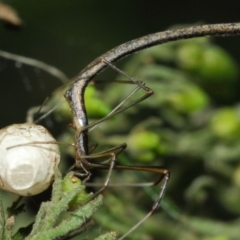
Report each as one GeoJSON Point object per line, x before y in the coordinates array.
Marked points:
{"type": "Point", "coordinates": [70, 34]}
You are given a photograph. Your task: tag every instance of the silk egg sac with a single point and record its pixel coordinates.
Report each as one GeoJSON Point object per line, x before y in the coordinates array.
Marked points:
{"type": "Point", "coordinates": [29, 156]}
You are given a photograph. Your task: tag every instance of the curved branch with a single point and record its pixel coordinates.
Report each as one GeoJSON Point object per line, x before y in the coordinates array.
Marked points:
{"type": "Point", "coordinates": [75, 95]}
{"type": "Point", "coordinates": [150, 40]}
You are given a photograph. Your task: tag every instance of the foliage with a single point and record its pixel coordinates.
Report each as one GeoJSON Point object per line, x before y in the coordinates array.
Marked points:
{"type": "Point", "coordinates": [191, 126]}
{"type": "Point", "coordinates": [68, 211]}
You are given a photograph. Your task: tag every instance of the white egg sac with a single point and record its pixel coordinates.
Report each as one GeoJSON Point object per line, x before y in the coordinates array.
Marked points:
{"type": "Point", "coordinates": [28, 158]}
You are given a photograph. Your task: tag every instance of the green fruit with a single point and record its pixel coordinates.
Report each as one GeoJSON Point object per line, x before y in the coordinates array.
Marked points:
{"type": "Point", "coordinates": [217, 65]}
{"type": "Point", "coordinates": [145, 145]}
{"type": "Point", "coordinates": [70, 182]}
{"type": "Point", "coordinates": [188, 100]}
{"type": "Point", "coordinates": [96, 108]}
{"type": "Point", "coordinates": [208, 61]}
{"type": "Point", "coordinates": [144, 140]}
{"type": "Point", "coordinates": [225, 123]}
{"type": "Point", "coordinates": [189, 56]}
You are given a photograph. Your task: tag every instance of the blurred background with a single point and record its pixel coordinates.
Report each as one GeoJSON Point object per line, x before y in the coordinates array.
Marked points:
{"type": "Point", "coordinates": [70, 34]}
{"type": "Point", "coordinates": [192, 122]}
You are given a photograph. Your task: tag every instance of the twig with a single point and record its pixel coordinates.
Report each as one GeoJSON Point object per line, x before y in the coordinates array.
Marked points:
{"type": "Point", "coordinates": [35, 63]}
{"type": "Point", "coordinates": [95, 67]}
{"type": "Point", "coordinates": [75, 95]}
